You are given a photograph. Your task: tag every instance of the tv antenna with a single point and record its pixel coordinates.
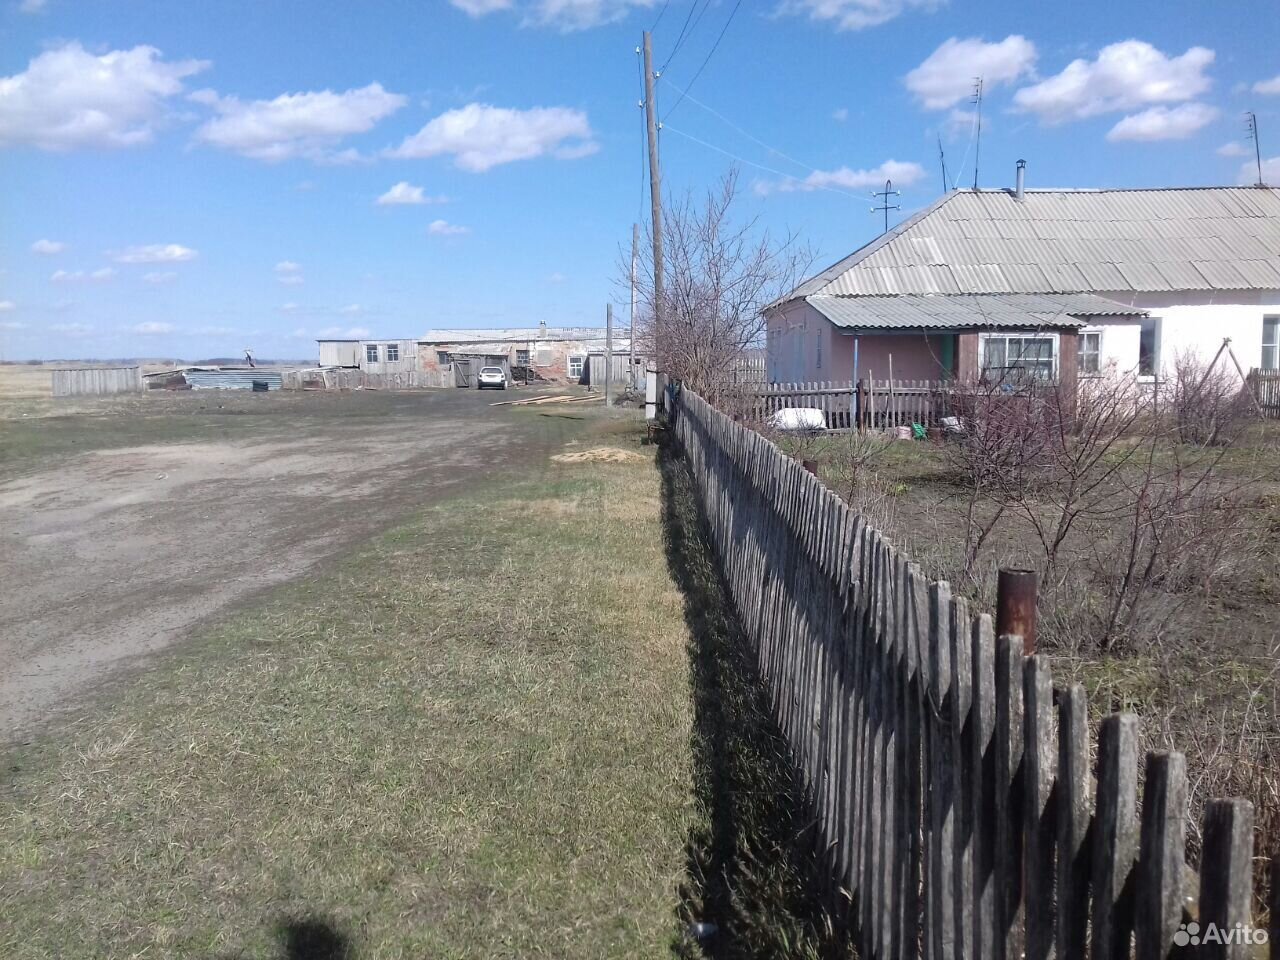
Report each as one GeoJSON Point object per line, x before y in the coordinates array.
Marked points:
{"type": "Point", "coordinates": [1251, 128]}
{"type": "Point", "coordinates": [884, 196]}
{"type": "Point", "coordinates": [977, 151]}
{"type": "Point", "coordinates": [942, 158]}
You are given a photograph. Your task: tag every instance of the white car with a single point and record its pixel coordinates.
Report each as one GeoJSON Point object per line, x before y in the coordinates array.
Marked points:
{"type": "Point", "coordinates": [491, 377]}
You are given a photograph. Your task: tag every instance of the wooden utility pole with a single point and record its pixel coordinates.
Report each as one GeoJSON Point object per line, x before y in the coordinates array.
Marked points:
{"type": "Point", "coordinates": [631, 353]}
{"type": "Point", "coordinates": [655, 192]}
{"type": "Point", "coordinates": [608, 355]}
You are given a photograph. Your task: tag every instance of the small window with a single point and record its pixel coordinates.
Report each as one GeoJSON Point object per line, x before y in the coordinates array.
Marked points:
{"type": "Point", "coordinates": [522, 358]}
{"type": "Point", "coordinates": [1020, 356]}
{"type": "Point", "coordinates": [1147, 350]}
{"type": "Point", "coordinates": [1090, 353]}
{"type": "Point", "coordinates": [1271, 343]}
{"type": "Point", "coordinates": [393, 352]}
{"type": "Point", "coordinates": [575, 367]}
{"type": "Point", "coordinates": [371, 353]}
{"type": "Point", "coordinates": [443, 358]}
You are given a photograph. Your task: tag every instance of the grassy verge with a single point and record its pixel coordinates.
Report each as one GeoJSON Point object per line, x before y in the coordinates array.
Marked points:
{"type": "Point", "coordinates": [753, 872]}
{"type": "Point", "coordinates": [473, 739]}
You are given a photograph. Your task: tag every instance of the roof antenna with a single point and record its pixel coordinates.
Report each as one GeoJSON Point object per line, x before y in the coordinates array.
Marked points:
{"type": "Point", "coordinates": [885, 194]}
{"type": "Point", "coordinates": [942, 158]}
{"type": "Point", "coordinates": [1251, 126]}
{"type": "Point", "coordinates": [977, 153]}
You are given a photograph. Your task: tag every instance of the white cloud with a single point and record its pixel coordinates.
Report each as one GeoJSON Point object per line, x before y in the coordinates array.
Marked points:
{"type": "Point", "coordinates": [350, 333]}
{"type": "Point", "coordinates": [556, 278]}
{"type": "Point", "coordinates": [351, 309]}
{"type": "Point", "coordinates": [1270, 172]}
{"type": "Point", "coordinates": [101, 275]}
{"type": "Point", "coordinates": [903, 174]}
{"type": "Point", "coordinates": [479, 136]}
{"type": "Point", "coordinates": [287, 307]}
{"type": "Point", "coordinates": [12, 325]}
{"type": "Point", "coordinates": [292, 279]}
{"type": "Point", "coordinates": [563, 15]}
{"type": "Point", "coordinates": [295, 124]}
{"type": "Point", "coordinates": [1268, 87]}
{"type": "Point", "coordinates": [289, 273]}
{"type": "Point", "coordinates": [155, 253]}
{"type": "Point", "coordinates": [479, 8]}
{"type": "Point", "coordinates": [152, 328]}
{"type": "Point", "coordinates": [443, 228]}
{"type": "Point", "coordinates": [840, 114]}
{"type": "Point", "coordinates": [158, 277]}
{"type": "Point", "coordinates": [855, 14]}
{"type": "Point", "coordinates": [69, 98]}
{"type": "Point", "coordinates": [946, 77]}
{"type": "Point", "coordinates": [406, 193]}
{"type": "Point", "coordinates": [1164, 123]}
{"type": "Point", "coordinates": [48, 248]}
{"type": "Point", "coordinates": [71, 329]}
{"type": "Point", "coordinates": [1232, 149]}
{"type": "Point", "coordinates": [288, 266]}
{"type": "Point", "coordinates": [960, 123]}
{"type": "Point", "coordinates": [1125, 76]}
{"type": "Point", "coordinates": [32, 6]}
{"type": "Point", "coordinates": [7, 305]}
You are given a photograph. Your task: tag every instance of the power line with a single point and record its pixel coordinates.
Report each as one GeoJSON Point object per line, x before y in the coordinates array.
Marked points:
{"type": "Point", "coordinates": [756, 140]}
{"type": "Point", "coordinates": [661, 14]}
{"type": "Point", "coordinates": [758, 166]}
{"type": "Point", "coordinates": [707, 58]}
{"type": "Point", "coordinates": [685, 33]}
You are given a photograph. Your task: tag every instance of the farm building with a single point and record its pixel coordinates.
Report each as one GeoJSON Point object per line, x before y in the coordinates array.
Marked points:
{"type": "Point", "coordinates": [1047, 283]}
{"type": "Point", "coordinates": [545, 353]}
{"type": "Point", "coordinates": [371, 356]}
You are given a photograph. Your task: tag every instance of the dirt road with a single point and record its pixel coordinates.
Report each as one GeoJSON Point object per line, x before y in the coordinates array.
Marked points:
{"type": "Point", "coordinates": [109, 555]}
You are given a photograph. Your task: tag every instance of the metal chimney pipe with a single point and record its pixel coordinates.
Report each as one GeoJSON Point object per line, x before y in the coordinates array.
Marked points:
{"type": "Point", "coordinates": [1021, 181]}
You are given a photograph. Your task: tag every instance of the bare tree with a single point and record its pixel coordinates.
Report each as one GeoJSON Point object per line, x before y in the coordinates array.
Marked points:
{"type": "Point", "coordinates": [720, 272]}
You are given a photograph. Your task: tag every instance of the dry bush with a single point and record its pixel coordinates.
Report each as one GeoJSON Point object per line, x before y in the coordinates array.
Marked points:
{"type": "Point", "coordinates": [1208, 403]}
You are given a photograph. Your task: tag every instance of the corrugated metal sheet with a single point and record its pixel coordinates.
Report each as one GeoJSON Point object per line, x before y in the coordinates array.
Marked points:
{"type": "Point", "coordinates": [1116, 240]}
{"type": "Point", "coordinates": [962, 311]}
{"type": "Point", "coordinates": [231, 379]}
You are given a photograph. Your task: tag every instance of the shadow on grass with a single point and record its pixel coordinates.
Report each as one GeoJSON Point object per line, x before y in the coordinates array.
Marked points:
{"type": "Point", "coordinates": [311, 938]}
{"type": "Point", "coordinates": [752, 869]}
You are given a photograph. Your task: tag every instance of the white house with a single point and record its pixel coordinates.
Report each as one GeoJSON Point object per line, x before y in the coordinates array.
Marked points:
{"type": "Point", "coordinates": [1052, 281]}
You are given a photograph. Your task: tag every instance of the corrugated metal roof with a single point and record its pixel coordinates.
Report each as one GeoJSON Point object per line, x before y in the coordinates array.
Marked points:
{"type": "Point", "coordinates": [1070, 241]}
{"type": "Point", "coordinates": [912, 312]}
{"type": "Point", "coordinates": [231, 379]}
{"type": "Point", "coordinates": [512, 334]}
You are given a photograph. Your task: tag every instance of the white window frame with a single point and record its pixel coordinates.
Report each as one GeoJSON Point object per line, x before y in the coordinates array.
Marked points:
{"type": "Point", "coordinates": [393, 348]}
{"type": "Point", "coordinates": [525, 354]}
{"type": "Point", "coordinates": [1081, 353]}
{"type": "Point", "coordinates": [371, 353]}
{"type": "Point", "coordinates": [1270, 343]}
{"type": "Point", "coordinates": [444, 357]}
{"type": "Point", "coordinates": [579, 361]}
{"type": "Point", "coordinates": [985, 338]}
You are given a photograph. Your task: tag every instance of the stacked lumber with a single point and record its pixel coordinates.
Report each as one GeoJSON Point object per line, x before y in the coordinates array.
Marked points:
{"type": "Point", "coordinates": [549, 398]}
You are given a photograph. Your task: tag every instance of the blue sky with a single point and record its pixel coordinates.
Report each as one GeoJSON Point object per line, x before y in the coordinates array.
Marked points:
{"type": "Point", "coordinates": [191, 179]}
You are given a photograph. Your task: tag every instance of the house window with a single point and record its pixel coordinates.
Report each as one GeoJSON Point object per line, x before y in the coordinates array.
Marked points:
{"type": "Point", "coordinates": [1019, 356]}
{"type": "Point", "coordinates": [1271, 343]}
{"type": "Point", "coordinates": [1090, 353]}
{"type": "Point", "coordinates": [393, 352]}
{"type": "Point", "coordinates": [443, 358]}
{"type": "Point", "coordinates": [1147, 350]}
{"type": "Point", "coordinates": [575, 367]}
{"type": "Point", "coordinates": [371, 353]}
{"type": "Point", "coordinates": [522, 358]}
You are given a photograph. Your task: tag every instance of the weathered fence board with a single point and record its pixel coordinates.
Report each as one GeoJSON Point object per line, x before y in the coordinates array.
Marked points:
{"type": "Point", "coordinates": [96, 381]}
{"type": "Point", "coordinates": [1265, 385]}
{"type": "Point", "coordinates": [951, 783]}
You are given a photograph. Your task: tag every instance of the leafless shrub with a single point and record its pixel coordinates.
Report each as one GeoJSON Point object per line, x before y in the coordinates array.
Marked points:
{"type": "Point", "coordinates": [719, 274]}
{"type": "Point", "coordinates": [1208, 403]}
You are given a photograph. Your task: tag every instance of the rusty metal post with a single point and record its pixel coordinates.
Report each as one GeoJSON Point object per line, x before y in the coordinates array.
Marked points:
{"type": "Point", "coordinates": [1016, 606]}
{"type": "Point", "coordinates": [810, 465]}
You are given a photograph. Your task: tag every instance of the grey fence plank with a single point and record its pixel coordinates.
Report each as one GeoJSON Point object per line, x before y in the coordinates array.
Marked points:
{"type": "Point", "coordinates": [1226, 881]}
{"type": "Point", "coordinates": [982, 762]}
{"type": "Point", "coordinates": [1010, 787]}
{"type": "Point", "coordinates": [1115, 840]}
{"type": "Point", "coordinates": [1041, 757]}
{"type": "Point", "coordinates": [1073, 822]}
{"type": "Point", "coordinates": [1158, 901]}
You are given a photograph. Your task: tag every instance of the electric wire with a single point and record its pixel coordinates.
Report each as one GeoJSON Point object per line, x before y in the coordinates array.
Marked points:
{"type": "Point", "coordinates": [685, 32]}
{"type": "Point", "coordinates": [706, 59]}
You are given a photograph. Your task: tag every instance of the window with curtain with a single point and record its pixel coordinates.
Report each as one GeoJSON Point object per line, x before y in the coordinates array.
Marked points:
{"type": "Point", "coordinates": [1090, 353]}
{"type": "Point", "coordinates": [1019, 356]}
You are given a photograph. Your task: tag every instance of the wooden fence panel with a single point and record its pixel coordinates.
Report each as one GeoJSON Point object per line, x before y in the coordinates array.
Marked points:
{"type": "Point", "coordinates": [950, 782]}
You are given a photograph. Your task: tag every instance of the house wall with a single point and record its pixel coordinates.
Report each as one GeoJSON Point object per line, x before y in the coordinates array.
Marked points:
{"type": "Point", "coordinates": [339, 353]}
{"type": "Point", "coordinates": [802, 345]}
{"type": "Point", "coordinates": [408, 357]}
{"type": "Point", "coordinates": [1192, 322]}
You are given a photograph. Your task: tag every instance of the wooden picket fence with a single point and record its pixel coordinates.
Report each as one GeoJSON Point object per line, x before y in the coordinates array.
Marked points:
{"type": "Point", "coordinates": [961, 803]}
{"type": "Point", "coordinates": [883, 404]}
{"type": "Point", "coordinates": [1266, 387]}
